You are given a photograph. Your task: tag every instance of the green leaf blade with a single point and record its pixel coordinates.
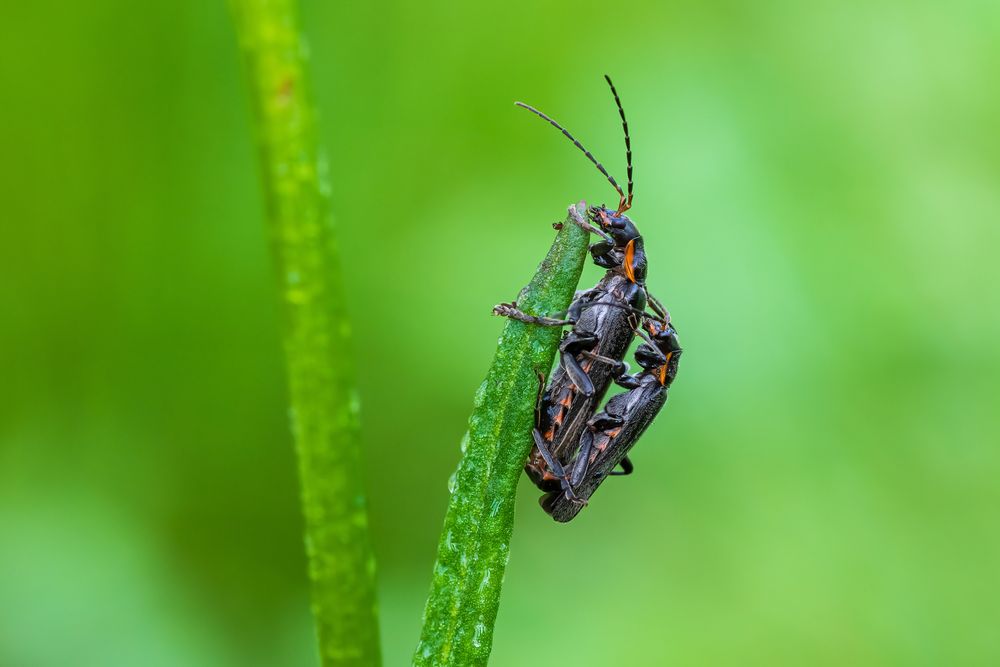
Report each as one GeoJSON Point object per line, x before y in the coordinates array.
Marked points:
{"type": "Point", "coordinates": [475, 542]}
{"type": "Point", "coordinates": [324, 406]}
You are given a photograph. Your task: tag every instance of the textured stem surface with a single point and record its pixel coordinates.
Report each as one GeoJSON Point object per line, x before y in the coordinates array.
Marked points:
{"type": "Point", "coordinates": [474, 547]}
{"type": "Point", "coordinates": [324, 402]}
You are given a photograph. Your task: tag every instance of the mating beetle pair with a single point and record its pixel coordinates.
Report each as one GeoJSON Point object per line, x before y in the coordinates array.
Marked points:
{"type": "Point", "coordinates": [576, 446]}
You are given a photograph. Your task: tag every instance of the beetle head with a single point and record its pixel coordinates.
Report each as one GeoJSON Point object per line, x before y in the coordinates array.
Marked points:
{"type": "Point", "coordinates": [618, 225]}
{"type": "Point", "coordinates": [662, 356]}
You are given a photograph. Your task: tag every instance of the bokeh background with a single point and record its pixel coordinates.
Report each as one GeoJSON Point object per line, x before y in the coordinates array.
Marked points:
{"type": "Point", "coordinates": [818, 188]}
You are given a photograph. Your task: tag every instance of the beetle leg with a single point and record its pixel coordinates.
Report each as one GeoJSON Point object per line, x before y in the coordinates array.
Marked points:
{"type": "Point", "coordinates": [620, 366]}
{"type": "Point", "coordinates": [573, 344]}
{"type": "Point", "coordinates": [584, 224]}
{"type": "Point", "coordinates": [539, 397]}
{"type": "Point", "coordinates": [510, 310]}
{"type": "Point", "coordinates": [553, 464]}
{"type": "Point", "coordinates": [582, 458]}
{"type": "Point", "coordinates": [627, 381]}
{"type": "Point", "coordinates": [627, 468]}
{"type": "Point", "coordinates": [604, 255]}
{"type": "Point", "coordinates": [605, 421]}
{"type": "Point", "coordinates": [657, 307]}
{"type": "Point", "coordinates": [576, 373]}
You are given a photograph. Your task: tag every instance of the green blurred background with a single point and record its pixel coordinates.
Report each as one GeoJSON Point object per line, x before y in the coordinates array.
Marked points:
{"type": "Point", "coordinates": [818, 188]}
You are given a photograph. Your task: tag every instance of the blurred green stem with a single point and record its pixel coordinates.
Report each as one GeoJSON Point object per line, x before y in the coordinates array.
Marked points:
{"type": "Point", "coordinates": [474, 546]}
{"type": "Point", "coordinates": [324, 403]}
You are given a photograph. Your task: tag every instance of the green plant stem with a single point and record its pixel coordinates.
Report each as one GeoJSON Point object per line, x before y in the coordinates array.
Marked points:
{"type": "Point", "coordinates": [474, 546]}
{"type": "Point", "coordinates": [323, 396]}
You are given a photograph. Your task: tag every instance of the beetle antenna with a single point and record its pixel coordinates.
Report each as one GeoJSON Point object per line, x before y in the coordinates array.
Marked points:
{"type": "Point", "coordinates": [590, 156]}
{"type": "Point", "coordinates": [625, 204]}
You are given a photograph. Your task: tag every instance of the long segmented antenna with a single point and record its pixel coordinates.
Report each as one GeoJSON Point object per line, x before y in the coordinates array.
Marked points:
{"type": "Point", "coordinates": [625, 204]}
{"type": "Point", "coordinates": [590, 157]}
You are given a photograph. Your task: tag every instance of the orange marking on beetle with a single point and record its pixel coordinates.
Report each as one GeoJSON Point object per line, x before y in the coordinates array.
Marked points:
{"type": "Point", "coordinates": [663, 369]}
{"type": "Point", "coordinates": [629, 256]}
